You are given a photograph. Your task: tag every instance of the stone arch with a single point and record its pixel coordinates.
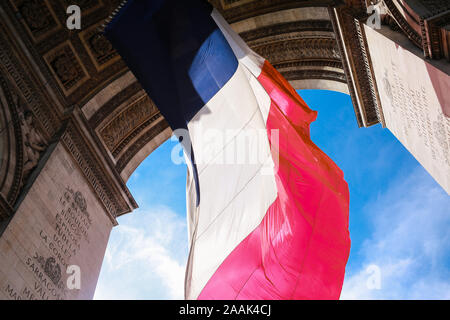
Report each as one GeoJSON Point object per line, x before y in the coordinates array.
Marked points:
{"type": "Point", "coordinates": [296, 37]}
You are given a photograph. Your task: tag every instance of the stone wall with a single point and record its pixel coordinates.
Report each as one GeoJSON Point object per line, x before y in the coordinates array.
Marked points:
{"type": "Point", "coordinates": [59, 223]}
{"type": "Point", "coordinates": [414, 99]}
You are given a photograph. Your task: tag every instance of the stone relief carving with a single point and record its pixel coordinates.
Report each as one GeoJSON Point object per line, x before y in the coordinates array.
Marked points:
{"type": "Point", "coordinates": [125, 122]}
{"type": "Point", "coordinates": [12, 158]}
{"type": "Point", "coordinates": [33, 141]}
{"type": "Point", "coordinates": [78, 201]}
{"type": "Point", "coordinates": [67, 68]}
{"type": "Point", "coordinates": [86, 6]}
{"type": "Point", "coordinates": [140, 143]}
{"type": "Point", "coordinates": [440, 134]}
{"type": "Point", "coordinates": [98, 47]}
{"type": "Point", "coordinates": [51, 268]}
{"type": "Point", "coordinates": [94, 173]}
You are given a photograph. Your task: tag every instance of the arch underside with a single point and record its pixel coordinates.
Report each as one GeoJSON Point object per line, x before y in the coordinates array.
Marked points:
{"type": "Point", "coordinates": [297, 39]}
{"type": "Point", "coordinates": [62, 76]}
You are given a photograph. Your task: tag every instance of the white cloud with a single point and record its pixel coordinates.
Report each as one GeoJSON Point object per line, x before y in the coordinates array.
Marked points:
{"type": "Point", "coordinates": [146, 257]}
{"type": "Point", "coordinates": [410, 243]}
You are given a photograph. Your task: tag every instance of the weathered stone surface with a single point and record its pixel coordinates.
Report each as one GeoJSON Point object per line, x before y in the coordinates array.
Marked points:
{"type": "Point", "coordinates": [415, 102]}
{"type": "Point", "coordinates": [59, 223]}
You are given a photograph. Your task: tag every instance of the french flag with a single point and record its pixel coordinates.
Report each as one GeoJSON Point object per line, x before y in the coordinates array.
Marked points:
{"type": "Point", "coordinates": [267, 213]}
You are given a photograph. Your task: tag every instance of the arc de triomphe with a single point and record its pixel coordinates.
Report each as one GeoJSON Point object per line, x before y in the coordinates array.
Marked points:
{"type": "Point", "coordinates": [75, 124]}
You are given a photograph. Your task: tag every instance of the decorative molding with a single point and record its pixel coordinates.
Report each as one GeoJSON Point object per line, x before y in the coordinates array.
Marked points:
{"type": "Point", "coordinates": [428, 8]}
{"type": "Point", "coordinates": [428, 16]}
{"type": "Point", "coordinates": [95, 65]}
{"type": "Point", "coordinates": [112, 104]}
{"type": "Point", "coordinates": [227, 4]}
{"type": "Point", "coordinates": [364, 98]}
{"type": "Point", "coordinates": [38, 18]}
{"type": "Point", "coordinates": [156, 117]}
{"type": "Point", "coordinates": [66, 67]}
{"type": "Point", "coordinates": [98, 47]}
{"type": "Point", "coordinates": [346, 67]}
{"type": "Point", "coordinates": [140, 143]}
{"type": "Point", "coordinates": [314, 74]}
{"type": "Point", "coordinates": [337, 64]}
{"type": "Point", "coordinates": [369, 81]}
{"type": "Point", "coordinates": [86, 6]}
{"type": "Point", "coordinates": [305, 48]}
{"type": "Point", "coordinates": [95, 175]}
{"type": "Point", "coordinates": [125, 122]}
{"type": "Point", "coordinates": [6, 211]}
{"type": "Point", "coordinates": [15, 67]}
{"type": "Point", "coordinates": [435, 42]}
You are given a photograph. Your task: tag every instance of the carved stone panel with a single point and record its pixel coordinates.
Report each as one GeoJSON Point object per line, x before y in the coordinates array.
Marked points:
{"type": "Point", "coordinates": [95, 174]}
{"type": "Point", "coordinates": [38, 18]}
{"type": "Point", "coordinates": [127, 121]}
{"type": "Point", "coordinates": [86, 6]}
{"type": "Point", "coordinates": [415, 103]}
{"type": "Point", "coordinates": [98, 47]}
{"type": "Point", "coordinates": [67, 67]}
{"type": "Point", "coordinates": [11, 150]}
{"type": "Point", "coordinates": [60, 223]}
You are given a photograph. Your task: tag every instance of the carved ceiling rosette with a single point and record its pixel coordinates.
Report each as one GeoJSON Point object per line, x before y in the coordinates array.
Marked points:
{"type": "Point", "coordinates": [38, 18]}
{"type": "Point", "coordinates": [67, 68]}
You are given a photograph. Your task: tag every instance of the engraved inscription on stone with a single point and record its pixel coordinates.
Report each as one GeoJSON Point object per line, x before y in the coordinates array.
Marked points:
{"type": "Point", "coordinates": [69, 232]}
{"type": "Point", "coordinates": [411, 104]}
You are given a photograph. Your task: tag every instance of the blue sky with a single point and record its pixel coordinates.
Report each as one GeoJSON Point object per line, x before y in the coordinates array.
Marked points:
{"type": "Point", "coordinates": [399, 217]}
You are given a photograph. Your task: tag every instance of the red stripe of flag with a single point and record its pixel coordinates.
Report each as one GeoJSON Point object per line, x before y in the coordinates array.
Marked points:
{"type": "Point", "coordinates": [300, 249]}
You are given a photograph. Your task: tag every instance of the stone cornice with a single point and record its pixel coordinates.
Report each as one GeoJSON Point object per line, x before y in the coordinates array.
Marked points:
{"type": "Point", "coordinates": [93, 170]}
{"type": "Point", "coordinates": [403, 24]}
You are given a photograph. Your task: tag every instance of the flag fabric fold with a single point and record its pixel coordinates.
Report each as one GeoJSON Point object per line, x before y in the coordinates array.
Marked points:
{"type": "Point", "coordinates": [267, 209]}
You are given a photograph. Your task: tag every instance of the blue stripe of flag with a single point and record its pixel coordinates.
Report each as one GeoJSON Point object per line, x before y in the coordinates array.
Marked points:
{"type": "Point", "coordinates": [177, 53]}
